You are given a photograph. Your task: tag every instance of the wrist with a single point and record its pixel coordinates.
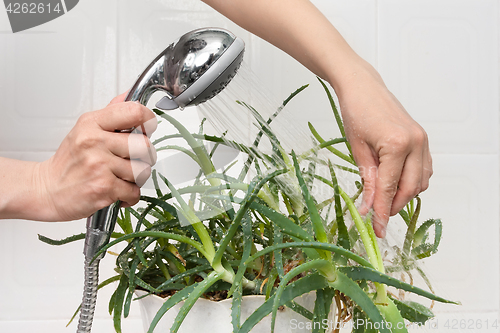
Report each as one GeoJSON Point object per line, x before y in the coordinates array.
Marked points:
{"type": "Point", "coordinates": [353, 75]}
{"type": "Point", "coordinates": [20, 197]}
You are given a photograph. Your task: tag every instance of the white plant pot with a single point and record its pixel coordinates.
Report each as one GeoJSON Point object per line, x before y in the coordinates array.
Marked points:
{"type": "Point", "coordinates": [215, 317]}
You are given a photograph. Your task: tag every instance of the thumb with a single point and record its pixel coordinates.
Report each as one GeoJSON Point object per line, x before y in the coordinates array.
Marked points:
{"type": "Point", "coordinates": [120, 98]}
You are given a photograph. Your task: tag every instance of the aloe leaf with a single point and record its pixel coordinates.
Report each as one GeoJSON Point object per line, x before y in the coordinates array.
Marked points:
{"type": "Point", "coordinates": [170, 303]}
{"type": "Point", "coordinates": [139, 252]}
{"type": "Point", "coordinates": [256, 142]}
{"type": "Point", "coordinates": [182, 150]}
{"type": "Point", "coordinates": [413, 311]}
{"type": "Point", "coordinates": [319, 264]}
{"type": "Point", "coordinates": [315, 245]}
{"type": "Point", "coordinates": [319, 312]}
{"type": "Point", "coordinates": [361, 324]}
{"type": "Point", "coordinates": [159, 234]}
{"type": "Point", "coordinates": [126, 221]}
{"type": "Point", "coordinates": [193, 297]}
{"type": "Point", "coordinates": [128, 303]}
{"type": "Point", "coordinates": [351, 289]}
{"type": "Point", "coordinates": [203, 158]}
{"type": "Point", "coordinates": [333, 150]}
{"type": "Point", "coordinates": [316, 220]}
{"type": "Point", "coordinates": [278, 256]}
{"type": "Point", "coordinates": [253, 189]}
{"type": "Point", "coordinates": [371, 248]}
{"type": "Point", "coordinates": [246, 223]}
{"type": "Point", "coordinates": [410, 233]}
{"type": "Point", "coordinates": [62, 241]}
{"type": "Point", "coordinates": [180, 276]}
{"type": "Point", "coordinates": [325, 144]}
{"type": "Point", "coordinates": [131, 284]}
{"type": "Point", "coordinates": [392, 316]}
{"type": "Point", "coordinates": [404, 214]}
{"type": "Point", "coordinates": [270, 282]}
{"type": "Point", "coordinates": [370, 274]}
{"type": "Point", "coordinates": [264, 127]}
{"type": "Point", "coordinates": [160, 202]}
{"type": "Point", "coordinates": [236, 308]}
{"type": "Point", "coordinates": [300, 310]}
{"type": "Point", "coordinates": [287, 226]}
{"type": "Point", "coordinates": [301, 286]}
{"type": "Point", "coordinates": [335, 113]}
{"type": "Point", "coordinates": [154, 177]}
{"type": "Point", "coordinates": [118, 303]}
{"type": "Point", "coordinates": [425, 250]}
{"type": "Point", "coordinates": [343, 238]}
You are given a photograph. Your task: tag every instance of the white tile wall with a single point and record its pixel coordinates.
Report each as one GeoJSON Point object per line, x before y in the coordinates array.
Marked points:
{"type": "Point", "coordinates": [439, 57]}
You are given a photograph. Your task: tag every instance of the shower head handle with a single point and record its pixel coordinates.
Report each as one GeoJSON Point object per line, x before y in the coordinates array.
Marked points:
{"type": "Point", "coordinates": [191, 70]}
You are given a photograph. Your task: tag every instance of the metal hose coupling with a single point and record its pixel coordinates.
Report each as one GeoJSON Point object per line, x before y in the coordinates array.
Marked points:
{"type": "Point", "coordinates": [100, 226]}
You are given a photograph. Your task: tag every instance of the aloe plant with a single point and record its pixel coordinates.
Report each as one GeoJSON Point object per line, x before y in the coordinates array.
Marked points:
{"type": "Point", "coordinates": [268, 234]}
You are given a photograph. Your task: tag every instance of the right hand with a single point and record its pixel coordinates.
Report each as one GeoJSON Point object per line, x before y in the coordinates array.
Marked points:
{"type": "Point", "coordinates": [97, 165]}
{"type": "Point", "coordinates": [390, 148]}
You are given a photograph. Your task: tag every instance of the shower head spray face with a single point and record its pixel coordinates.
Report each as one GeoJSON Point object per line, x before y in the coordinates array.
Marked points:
{"type": "Point", "coordinates": [192, 70]}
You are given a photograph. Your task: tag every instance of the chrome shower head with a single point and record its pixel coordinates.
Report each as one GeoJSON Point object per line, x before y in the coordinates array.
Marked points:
{"type": "Point", "coordinates": [192, 70]}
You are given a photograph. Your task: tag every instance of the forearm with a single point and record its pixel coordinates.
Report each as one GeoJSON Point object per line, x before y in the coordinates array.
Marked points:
{"type": "Point", "coordinates": [301, 30]}
{"type": "Point", "coordinates": [20, 190]}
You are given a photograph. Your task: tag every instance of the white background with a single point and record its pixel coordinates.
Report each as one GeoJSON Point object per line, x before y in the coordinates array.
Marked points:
{"type": "Point", "coordinates": [439, 57]}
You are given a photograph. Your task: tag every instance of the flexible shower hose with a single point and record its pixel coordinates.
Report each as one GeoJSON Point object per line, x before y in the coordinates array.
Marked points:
{"type": "Point", "coordinates": [99, 228]}
{"type": "Point", "coordinates": [89, 296]}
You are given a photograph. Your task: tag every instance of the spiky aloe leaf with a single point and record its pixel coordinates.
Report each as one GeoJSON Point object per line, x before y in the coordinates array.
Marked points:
{"type": "Point", "coordinates": [333, 150]}
{"type": "Point", "coordinates": [413, 311]}
{"type": "Point", "coordinates": [236, 307]}
{"type": "Point", "coordinates": [180, 276]}
{"type": "Point", "coordinates": [322, 305]}
{"type": "Point", "coordinates": [319, 229]}
{"type": "Point", "coordinates": [392, 317]}
{"type": "Point", "coordinates": [351, 289]}
{"type": "Point", "coordinates": [287, 226]}
{"type": "Point", "coordinates": [118, 303]}
{"type": "Point", "coordinates": [246, 223]}
{"type": "Point", "coordinates": [314, 245]}
{"type": "Point", "coordinates": [320, 264]}
{"type": "Point", "coordinates": [170, 303]}
{"type": "Point", "coordinates": [159, 234]}
{"type": "Point", "coordinates": [193, 297]}
{"type": "Point", "coordinates": [369, 274]}
{"type": "Point", "coordinates": [251, 195]}
{"type": "Point", "coordinates": [343, 239]}
{"type": "Point", "coordinates": [278, 256]}
{"type": "Point", "coordinates": [300, 310]}
{"type": "Point", "coordinates": [297, 288]}
{"type": "Point", "coordinates": [421, 249]}
{"type": "Point", "coordinates": [335, 113]}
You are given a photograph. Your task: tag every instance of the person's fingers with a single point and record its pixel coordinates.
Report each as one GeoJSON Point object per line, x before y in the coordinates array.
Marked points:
{"type": "Point", "coordinates": [427, 170]}
{"type": "Point", "coordinates": [123, 116]}
{"type": "Point", "coordinates": [389, 173]}
{"type": "Point", "coordinates": [410, 183]}
{"type": "Point", "coordinates": [132, 171]}
{"type": "Point", "coordinates": [131, 146]}
{"type": "Point", "coordinates": [147, 128]}
{"type": "Point", "coordinates": [127, 192]}
{"type": "Point", "coordinates": [368, 172]}
{"type": "Point", "coordinates": [120, 98]}
{"type": "Point", "coordinates": [416, 172]}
